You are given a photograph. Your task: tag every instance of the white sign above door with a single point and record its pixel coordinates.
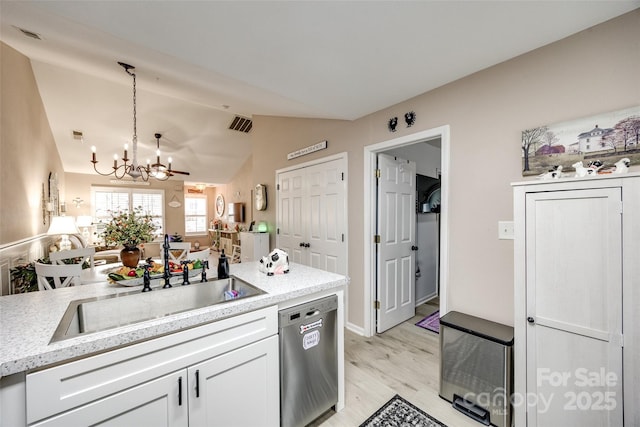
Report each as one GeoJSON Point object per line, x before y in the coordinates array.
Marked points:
{"type": "Point", "coordinates": [307, 150]}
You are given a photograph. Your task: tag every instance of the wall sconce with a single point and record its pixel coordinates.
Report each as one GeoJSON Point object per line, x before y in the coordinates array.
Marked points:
{"type": "Point", "coordinates": [77, 201]}
{"type": "Point", "coordinates": [47, 207]}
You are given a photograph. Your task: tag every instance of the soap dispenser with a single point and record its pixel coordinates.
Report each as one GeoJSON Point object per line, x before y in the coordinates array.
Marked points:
{"type": "Point", "coordinates": [223, 266]}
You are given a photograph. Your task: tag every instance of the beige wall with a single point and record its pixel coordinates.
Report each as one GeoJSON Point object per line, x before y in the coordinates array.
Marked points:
{"type": "Point", "coordinates": [79, 185]}
{"type": "Point", "coordinates": [27, 150]}
{"type": "Point", "coordinates": [238, 190]}
{"type": "Point", "coordinates": [591, 72]}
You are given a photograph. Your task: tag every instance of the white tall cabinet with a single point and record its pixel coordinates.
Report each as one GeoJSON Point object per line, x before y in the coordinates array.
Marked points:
{"type": "Point", "coordinates": [253, 246]}
{"type": "Point", "coordinates": [577, 289]}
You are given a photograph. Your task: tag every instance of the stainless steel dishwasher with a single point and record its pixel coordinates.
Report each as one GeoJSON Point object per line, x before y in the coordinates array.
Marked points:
{"type": "Point", "coordinates": [308, 361]}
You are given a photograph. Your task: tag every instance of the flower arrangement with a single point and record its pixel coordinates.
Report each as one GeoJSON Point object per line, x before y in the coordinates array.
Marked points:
{"type": "Point", "coordinates": [129, 229]}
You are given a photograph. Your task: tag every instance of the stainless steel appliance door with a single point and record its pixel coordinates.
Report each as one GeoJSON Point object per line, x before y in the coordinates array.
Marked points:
{"type": "Point", "coordinates": [308, 361]}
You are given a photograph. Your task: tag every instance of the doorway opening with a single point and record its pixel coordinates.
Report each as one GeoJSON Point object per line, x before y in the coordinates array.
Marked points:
{"type": "Point", "coordinates": [370, 205]}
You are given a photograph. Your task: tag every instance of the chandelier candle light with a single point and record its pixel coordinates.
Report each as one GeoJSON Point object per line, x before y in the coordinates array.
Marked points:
{"type": "Point", "coordinates": [135, 171]}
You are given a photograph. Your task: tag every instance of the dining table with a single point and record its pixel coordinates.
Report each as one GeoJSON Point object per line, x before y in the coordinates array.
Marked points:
{"type": "Point", "coordinates": [97, 274]}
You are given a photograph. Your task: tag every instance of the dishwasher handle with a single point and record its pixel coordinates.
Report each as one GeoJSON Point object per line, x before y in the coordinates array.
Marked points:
{"type": "Point", "coordinates": [312, 313]}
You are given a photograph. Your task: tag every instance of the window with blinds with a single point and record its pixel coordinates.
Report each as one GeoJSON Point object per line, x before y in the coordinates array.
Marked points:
{"type": "Point", "coordinates": [107, 200]}
{"type": "Point", "coordinates": [195, 215]}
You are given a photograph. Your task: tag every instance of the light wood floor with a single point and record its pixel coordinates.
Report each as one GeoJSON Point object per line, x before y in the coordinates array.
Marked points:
{"type": "Point", "coordinates": [404, 360]}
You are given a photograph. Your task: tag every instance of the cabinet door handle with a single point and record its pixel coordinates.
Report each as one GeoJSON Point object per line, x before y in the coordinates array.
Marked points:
{"type": "Point", "coordinates": [179, 391]}
{"type": "Point", "coordinates": [531, 320]}
{"type": "Point", "coordinates": [307, 245]}
{"type": "Point", "coordinates": [414, 248]}
{"type": "Point", "coordinates": [197, 383]}
{"type": "Point", "coordinates": [302, 244]}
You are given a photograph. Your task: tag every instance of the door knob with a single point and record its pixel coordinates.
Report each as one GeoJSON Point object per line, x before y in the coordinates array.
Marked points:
{"type": "Point", "coordinates": [531, 320]}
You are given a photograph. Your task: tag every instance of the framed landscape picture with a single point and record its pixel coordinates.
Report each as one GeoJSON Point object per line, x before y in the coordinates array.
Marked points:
{"type": "Point", "coordinates": [606, 137]}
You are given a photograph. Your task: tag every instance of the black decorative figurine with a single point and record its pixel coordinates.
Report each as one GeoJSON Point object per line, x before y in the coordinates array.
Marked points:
{"type": "Point", "coordinates": [393, 122]}
{"type": "Point", "coordinates": [410, 118]}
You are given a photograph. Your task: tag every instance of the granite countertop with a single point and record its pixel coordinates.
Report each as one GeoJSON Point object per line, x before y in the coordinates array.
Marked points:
{"type": "Point", "coordinates": [28, 321]}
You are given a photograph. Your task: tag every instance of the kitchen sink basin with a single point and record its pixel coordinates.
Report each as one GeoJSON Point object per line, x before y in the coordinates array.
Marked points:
{"type": "Point", "coordinates": [111, 311]}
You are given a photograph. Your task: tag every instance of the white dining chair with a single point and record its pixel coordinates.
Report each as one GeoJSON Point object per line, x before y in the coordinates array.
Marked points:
{"type": "Point", "coordinates": [202, 255]}
{"type": "Point", "coordinates": [62, 275]}
{"type": "Point", "coordinates": [86, 254]}
{"type": "Point", "coordinates": [178, 251]}
{"type": "Point", "coordinates": [236, 255]}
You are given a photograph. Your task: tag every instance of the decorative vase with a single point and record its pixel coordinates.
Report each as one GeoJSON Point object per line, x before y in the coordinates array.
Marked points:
{"type": "Point", "coordinates": [130, 256]}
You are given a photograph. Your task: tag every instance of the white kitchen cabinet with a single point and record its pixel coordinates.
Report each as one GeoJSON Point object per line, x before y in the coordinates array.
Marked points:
{"type": "Point", "coordinates": [236, 388]}
{"type": "Point", "coordinates": [154, 403]}
{"type": "Point", "coordinates": [253, 246]}
{"type": "Point", "coordinates": [154, 383]}
{"type": "Point", "coordinates": [576, 280]}
{"type": "Point", "coordinates": [311, 216]}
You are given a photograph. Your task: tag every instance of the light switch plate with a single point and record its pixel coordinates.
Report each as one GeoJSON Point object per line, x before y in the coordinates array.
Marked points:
{"type": "Point", "coordinates": [505, 230]}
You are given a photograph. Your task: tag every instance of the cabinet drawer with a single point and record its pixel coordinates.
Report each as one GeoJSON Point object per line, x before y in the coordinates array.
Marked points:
{"type": "Point", "coordinates": [67, 386]}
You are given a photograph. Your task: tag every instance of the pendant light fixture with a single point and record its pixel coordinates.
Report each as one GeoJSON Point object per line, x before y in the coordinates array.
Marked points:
{"type": "Point", "coordinates": [133, 170]}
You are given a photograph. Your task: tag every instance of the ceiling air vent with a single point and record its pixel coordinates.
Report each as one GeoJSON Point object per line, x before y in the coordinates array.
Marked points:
{"type": "Point", "coordinates": [30, 34]}
{"type": "Point", "coordinates": [241, 124]}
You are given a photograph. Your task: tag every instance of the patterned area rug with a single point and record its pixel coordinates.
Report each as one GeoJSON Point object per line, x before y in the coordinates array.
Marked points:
{"type": "Point", "coordinates": [399, 412]}
{"type": "Point", "coordinates": [431, 322]}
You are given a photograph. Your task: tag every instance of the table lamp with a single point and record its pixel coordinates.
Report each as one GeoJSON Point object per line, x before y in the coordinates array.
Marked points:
{"type": "Point", "coordinates": [84, 222]}
{"type": "Point", "coordinates": [63, 226]}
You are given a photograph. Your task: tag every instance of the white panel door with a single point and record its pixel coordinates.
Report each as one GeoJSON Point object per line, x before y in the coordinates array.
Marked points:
{"type": "Point", "coordinates": [574, 308]}
{"type": "Point", "coordinates": [291, 215]}
{"type": "Point", "coordinates": [396, 228]}
{"type": "Point", "coordinates": [311, 217]}
{"type": "Point", "coordinates": [325, 243]}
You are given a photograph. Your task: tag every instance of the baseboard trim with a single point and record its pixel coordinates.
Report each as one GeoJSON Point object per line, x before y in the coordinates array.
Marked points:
{"type": "Point", "coordinates": [426, 299]}
{"type": "Point", "coordinates": [355, 329]}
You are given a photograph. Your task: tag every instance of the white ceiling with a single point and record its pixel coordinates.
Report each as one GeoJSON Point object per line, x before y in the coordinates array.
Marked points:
{"type": "Point", "coordinates": [322, 59]}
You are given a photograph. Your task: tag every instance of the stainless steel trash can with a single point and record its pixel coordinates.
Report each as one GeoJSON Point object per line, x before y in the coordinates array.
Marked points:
{"type": "Point", "coordinates": [476, 367]}
{"type": "Point", "coordinates": [308, 361]}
